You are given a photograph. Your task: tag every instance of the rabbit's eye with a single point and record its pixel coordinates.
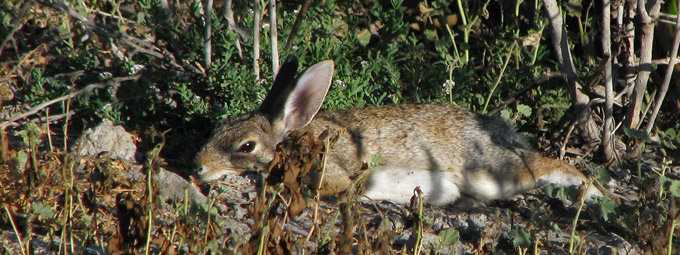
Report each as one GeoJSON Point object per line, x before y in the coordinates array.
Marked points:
{"type": "Point", "coordinates": [247, 147]}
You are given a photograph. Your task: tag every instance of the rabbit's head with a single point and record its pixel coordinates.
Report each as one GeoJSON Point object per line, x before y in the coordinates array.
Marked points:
{"type": "Point", "coordinates": [247, 142]}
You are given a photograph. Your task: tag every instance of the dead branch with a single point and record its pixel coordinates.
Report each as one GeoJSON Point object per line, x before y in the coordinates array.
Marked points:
{"type": "Point", "coordinates": [256, 40]}
{"type": "Point", "coordinates": [106, 31]}
{"type": "Point", "coordinates": [667, 78]}
{"type": "Point", "coordinates": [231, 23]}
{"type": "Point", "coordinates": [39, 107]}
{"type": "Point", "coordinates": [524, 90]}
{"type": "Point", "coordinates": [631, 60]}
{"type": "Point", "coordinates": [633, 116]}
{"type": "Point", "coordinates": [174, 39]}
{"type": "Point", "coordinates": [207, 43]}
{"type": "Point", "coordinates": [298, 22]}
{"type": "Point", "coordinates": [580, 100]}
{"type": "Point", "coordinates": [608, 138]}
{"type": "Point", "coordinates": [17, 24]}
{"type": "Point", "coordinates": [274, 35]}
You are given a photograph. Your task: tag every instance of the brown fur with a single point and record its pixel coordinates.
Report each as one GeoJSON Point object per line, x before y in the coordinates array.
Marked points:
{"type": "Point", "coordinates": [478, 155]}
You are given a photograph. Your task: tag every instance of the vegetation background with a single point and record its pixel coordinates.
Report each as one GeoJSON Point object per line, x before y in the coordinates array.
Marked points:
{"type": "Point", "coordinates": [586, 80]}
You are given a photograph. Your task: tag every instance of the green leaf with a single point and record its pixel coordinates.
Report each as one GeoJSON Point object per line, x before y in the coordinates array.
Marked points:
{"type": "Point", "coordinates": [20, 160]}
{"type": "Point", "coordinates": [606, 208]}
{"type": "Point", "coordinates": [562, 193]}
{"type": "Point", "coordinates": [599, 173]}
{"type": "Point", "coordinates": [520, 238]}
{"type": "Point", "coordinates": [664, 181]}
{"type": "Point", "coordinates": [574, 8]}
{"type": "Point", "coordinates": [34, 130]}
{"type": "Point", "coordinates": [430, 34]}
{"type": "Point", "coordinates": [636, 134]}
{"type": "Point", "coordinates": [364, 37]}
{"type": "Point", "coordinates": [524, 110]}
{"type": "Point", "coordinates": [449, 236]}
{"type": "Point", "coordinates": [43, 210]}
{"type": "Point", "coordinates": [554, 226]}
{"type": "Point", "coordinates": [506, 114]}
{"type": "Point", "coordinates": [675, 188]}
{"type": "Point", "coordinates": [397, 3]}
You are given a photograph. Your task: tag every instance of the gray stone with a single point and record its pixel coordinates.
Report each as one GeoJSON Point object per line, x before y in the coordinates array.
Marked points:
{"type": "Point", "coordinates": [173, 186]}
{"type": "Point", "coordinates": [107, 138]}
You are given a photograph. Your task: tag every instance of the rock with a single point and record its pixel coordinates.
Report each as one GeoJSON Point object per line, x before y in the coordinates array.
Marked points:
{"type": "Point", "coordinates": [107, 138]}
{"type": "Point", "coordinates": [172, 186]}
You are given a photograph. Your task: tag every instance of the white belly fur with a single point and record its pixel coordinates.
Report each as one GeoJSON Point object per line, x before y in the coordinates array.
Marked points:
{"type": "Point", "coordinates": [397, 185]}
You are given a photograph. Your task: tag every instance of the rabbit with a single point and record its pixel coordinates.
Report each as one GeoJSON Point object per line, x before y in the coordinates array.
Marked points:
{"type": "Point", "coordinates": [446, 150]}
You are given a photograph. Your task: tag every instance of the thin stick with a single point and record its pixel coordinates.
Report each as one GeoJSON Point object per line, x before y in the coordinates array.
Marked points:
{"type": "Point", "coordinates": [575, 122]}
{"type": "Point", "coordinates": [666, 78]}
{"type": "Point", "coordinates": [298, 22]}
{"type": "Point", "coordinates": [583, 195]}
{"type": "Point", "coordinates": [16, 230]}
{"type": "Point", "coordinates": [317, 197]}
{"type": "Point", "coordinates": [500, 76]}
{"type": "Point", "coordinates": [608, 139]}
{"type": "Point", "coordinates": [229, 15]}
{"type": "Point", "coordinates": [256, 40]}
{"type": "Point", "coordinates": [524, 90]}
{"type": "Point", "coordinates": [39, 107]}
{"type": "Point", "coordinates": [633, 117]}
{"type": "Point", "coordinates": [103, 30]}
{"type": "Point", "coordinates": [49, 131]}
{"type": "Point", "coordinates": [17, 24]}
{"type": "Point", "coordinates": [560, 43]}
{"type": "Point", "coordinates": [629, 38]}
{"type": "Point", "coordinates": [563, 147]}
{"type": "Point", "coordinates": [207, 43]}
{"type": "Point", "coordinates": [274, 36]}
{"type": "Point", "coordinates": [174, 39]}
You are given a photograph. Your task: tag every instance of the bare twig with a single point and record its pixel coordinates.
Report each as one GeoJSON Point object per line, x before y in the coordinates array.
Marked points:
{"type": "Point", "coordinates": [229, 15]}
{"type": "Point", "coordinates": [16, 230]}
{"type": "Point", "coordinates": [39, 107]}
{"type": "Point", "coordinates": [207, 45]}
{"type": "Point", "coordinates": [298, 22]}
{"type": "Point", "coordinates": [173, 36]}
{"type": "Point", "coordinates": [256, 39]}
{"type": "Point", "coordinates": [17, 24]}
{"type": "Point", "coordinates": [274, 36]}
{"type": "Point", "coordinates": [633, 116]}
{"type": "Point", "coordinates": [116, 17]}
{"type": "Point", "coordinates": [669, 17]}
{"type": "Point", "coordinates": [586, 123]}
{"type": "Point", "coordinates": [106, 31]}
{"type": "Point", "coordinates": [666, 78]}
{"type": "Point", "coordinates": [26, 58]}
{"type": "Point", "coordinates": [574, 123]}
{"type": "Point", "coordinates": [514, 97]}
{"type": "Point", "coordinates": [563, 146]}
{"type": "Point", "coordinates": [52, 118]}
{"type": "Point", "coordinates": [607, 145]}
{"type": "Point", "coordinates": [665, 61]}
{"type": "Point", "coordinates": [631, 60]}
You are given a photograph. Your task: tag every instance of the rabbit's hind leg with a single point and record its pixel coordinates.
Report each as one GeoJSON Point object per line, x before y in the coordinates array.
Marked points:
{"type": "Point", "coordinates": [553, 171]}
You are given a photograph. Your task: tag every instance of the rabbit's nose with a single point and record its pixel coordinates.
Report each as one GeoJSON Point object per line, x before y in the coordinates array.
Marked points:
{"type": "Point", "coordinates": [207, 174]}
{"type": "Point", "coordinates": [202, 170]}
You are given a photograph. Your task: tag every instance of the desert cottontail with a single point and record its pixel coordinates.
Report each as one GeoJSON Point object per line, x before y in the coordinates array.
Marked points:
{"type": "Point", "coordinates": [447, 150]}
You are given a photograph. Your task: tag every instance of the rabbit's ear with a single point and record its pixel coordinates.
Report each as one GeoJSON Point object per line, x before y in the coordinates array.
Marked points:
{"type": "Point", "coordinates": [281, 86]}
{"type": "Point", "coordinates": [306, 98]}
